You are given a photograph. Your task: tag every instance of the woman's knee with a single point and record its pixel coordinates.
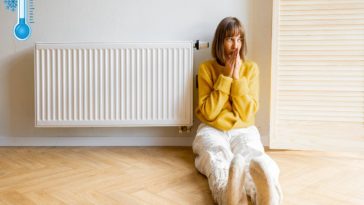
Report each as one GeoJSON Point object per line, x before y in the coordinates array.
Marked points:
{"type": "Point", "coordinates": [211, 158]}
{"type": "Point", "coordinates": [209, 142]}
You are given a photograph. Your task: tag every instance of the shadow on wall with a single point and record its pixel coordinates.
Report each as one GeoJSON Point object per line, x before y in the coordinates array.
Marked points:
{"type": "Point", "coordinates": [259, 50]}
{"type": "Point", "coordinates": [21, 92]}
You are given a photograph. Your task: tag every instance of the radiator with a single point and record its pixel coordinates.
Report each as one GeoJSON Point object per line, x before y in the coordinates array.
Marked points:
{"type": "Point", "coordinates": [113, 84]}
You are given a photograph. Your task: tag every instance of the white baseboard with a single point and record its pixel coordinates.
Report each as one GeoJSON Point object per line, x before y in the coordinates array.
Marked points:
{"type": "Point", "coordinates": [100, 141]}
{"type": "Point", "coordinates": [96, 141]}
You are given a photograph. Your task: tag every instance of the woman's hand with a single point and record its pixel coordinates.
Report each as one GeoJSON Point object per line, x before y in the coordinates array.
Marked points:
{"type": "Point", "coordinates": [237, 65]}
{"type": "Point", "coordinates": [229, 66]}
{"type": "Point", "coordinates": [232, 65]}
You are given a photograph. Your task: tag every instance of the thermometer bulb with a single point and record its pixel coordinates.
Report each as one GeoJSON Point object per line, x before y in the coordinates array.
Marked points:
{"type": "Point", "coordinates": [22, 30]}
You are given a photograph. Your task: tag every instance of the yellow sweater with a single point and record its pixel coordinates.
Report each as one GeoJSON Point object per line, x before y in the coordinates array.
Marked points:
{"type": "Point", "coordinates": [225, 103]}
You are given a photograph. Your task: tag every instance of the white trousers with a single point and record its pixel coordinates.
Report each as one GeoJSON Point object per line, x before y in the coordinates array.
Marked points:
{"type": "Point", "coordinates": [214, 150]}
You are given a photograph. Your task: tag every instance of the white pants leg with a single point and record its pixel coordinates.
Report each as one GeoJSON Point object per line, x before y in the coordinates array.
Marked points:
{"type": "Point", "coordinates": [214, 151]}
{"type": "Point", "coordinates": [213, 157]}
{"type": "Point", "coordinates": [246, 141]}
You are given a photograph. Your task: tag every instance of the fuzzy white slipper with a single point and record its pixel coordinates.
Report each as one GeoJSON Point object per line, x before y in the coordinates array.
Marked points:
{"type": "Point", "coordinates": [265, 173]}
{"type": "Point", "coordinates": [235, 191]}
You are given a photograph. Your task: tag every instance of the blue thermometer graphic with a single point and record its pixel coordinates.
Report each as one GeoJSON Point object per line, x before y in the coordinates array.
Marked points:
{"type": "Point", "coordinates": [22, 30]}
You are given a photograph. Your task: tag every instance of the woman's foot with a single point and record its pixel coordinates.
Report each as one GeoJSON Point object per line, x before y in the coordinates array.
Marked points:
{"type": "Point", "coordinates": [265, 172]}
{"type": "Point", "coordinates": [235, 192]}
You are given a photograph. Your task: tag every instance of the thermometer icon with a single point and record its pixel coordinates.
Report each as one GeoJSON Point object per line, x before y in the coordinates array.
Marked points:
{"type": "Point", "coordinates": [22, 30]}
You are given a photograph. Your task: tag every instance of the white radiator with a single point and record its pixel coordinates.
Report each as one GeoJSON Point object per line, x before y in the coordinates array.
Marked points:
{"type": "Point", "coordinates": [114, 84]}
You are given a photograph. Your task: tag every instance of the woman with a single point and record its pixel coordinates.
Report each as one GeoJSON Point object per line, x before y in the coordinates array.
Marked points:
{"type": "Point", "coordinates": [227, 145]}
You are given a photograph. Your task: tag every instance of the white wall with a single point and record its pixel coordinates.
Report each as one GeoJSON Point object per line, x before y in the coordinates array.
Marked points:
{"type": "Point", "coordinates": [113, 21]}
{"type": "Point", "coordinates": [259, 50]}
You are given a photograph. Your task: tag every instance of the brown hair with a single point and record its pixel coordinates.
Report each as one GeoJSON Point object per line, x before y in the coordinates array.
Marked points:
{"type": "Point", "coordinates": [228, 27]}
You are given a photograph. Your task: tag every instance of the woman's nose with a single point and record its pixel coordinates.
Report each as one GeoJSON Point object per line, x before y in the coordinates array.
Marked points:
{"type": "Point", "coordinates": [235, 44]}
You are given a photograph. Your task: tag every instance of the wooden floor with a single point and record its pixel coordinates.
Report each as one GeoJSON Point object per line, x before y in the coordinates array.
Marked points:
{"type": "Point", "coordinates": [132, 176]}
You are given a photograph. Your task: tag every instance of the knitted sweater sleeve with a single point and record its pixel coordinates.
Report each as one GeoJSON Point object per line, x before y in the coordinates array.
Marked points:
{"type": "Point", "coordinates": [212, 95]}
{"type": "Point", "coordinates": [245, 94]}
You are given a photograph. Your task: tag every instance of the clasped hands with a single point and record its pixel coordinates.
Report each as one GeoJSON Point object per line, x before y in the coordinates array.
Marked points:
{"type": "Point", "coordinates": [232, 65]}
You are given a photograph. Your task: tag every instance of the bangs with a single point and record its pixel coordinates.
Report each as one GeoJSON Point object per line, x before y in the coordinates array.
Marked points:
{"type": "Point", "coordinates": [233, 29]}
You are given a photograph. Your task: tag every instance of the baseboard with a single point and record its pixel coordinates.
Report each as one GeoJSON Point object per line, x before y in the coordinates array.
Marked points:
{"type": "Point", "coordinates": [101, 141]}
{"type": "Point", "coordinates": [96, 141]}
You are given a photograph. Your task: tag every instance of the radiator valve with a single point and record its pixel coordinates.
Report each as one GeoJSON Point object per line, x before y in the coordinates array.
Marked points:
{"type": "Point", "coordinates": [201, 44]}
{"type": "Point", "coordinates": [185, 129]}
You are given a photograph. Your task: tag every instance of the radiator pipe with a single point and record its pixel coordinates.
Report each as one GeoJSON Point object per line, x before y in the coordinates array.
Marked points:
{"type": "Point", "coordinates": [201, 44]}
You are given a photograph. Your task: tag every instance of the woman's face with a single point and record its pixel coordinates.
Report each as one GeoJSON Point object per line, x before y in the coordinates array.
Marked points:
{"type": "Point", "coordinates": [231, 44]}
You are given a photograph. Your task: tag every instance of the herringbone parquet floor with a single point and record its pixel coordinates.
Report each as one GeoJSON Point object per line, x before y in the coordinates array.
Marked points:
{"type": "Point", "coordinates": [132, 176]}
